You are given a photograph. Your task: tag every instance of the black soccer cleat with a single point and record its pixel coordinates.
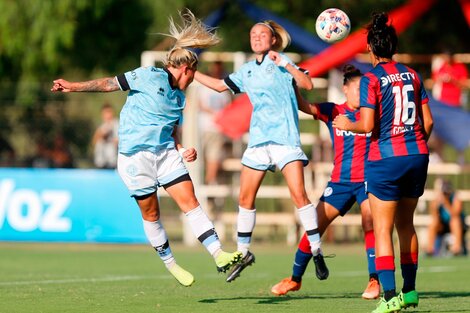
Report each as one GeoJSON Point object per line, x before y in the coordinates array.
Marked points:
{"type": "Point", "coordinates": [321, 270]}
{"type": "Point", "coordinates": [247, 260]}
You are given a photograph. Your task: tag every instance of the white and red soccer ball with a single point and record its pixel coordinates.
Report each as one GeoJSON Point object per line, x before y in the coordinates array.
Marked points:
{"type": "Point", "coordinates": [332, 25]}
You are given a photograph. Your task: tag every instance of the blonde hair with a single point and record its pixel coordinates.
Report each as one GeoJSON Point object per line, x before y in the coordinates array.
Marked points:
{"type": "Point", "coordinates": [192, 34]}
{"type": "Point", "coordinates": [279, 32]}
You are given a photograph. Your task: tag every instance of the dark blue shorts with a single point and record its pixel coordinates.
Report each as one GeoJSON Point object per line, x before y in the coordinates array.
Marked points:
{"type": "Point", "coordinates": [343, 195]}
{"type": "Point", "coordinates": [394, 178]}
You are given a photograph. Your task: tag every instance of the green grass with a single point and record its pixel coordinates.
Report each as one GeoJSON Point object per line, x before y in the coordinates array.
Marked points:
{"type": "Point", "coordinates": [118, 278]}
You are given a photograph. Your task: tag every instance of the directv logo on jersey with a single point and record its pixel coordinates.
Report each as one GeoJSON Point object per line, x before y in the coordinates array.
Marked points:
{"type": "Point", "coordinates": [397, 78]}
{"type": "Point", "coordinates": [344, 133]}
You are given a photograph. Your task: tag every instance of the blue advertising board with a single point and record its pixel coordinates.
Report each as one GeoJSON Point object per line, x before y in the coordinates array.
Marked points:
{"type": "Point", "coordinates": [67, 205]}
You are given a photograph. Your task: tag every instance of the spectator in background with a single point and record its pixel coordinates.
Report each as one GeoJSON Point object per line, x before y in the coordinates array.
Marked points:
{"type": "Point", "coordinates": [210, 103]}
{"type": "Point", "coordinates": [42, 156]}
{"type": "Point", "coordinates": [105, 139]}
{"type": "Point", "coordinates": [60, 153]}
{"type": "Point", "coordinates": [447, 217]}
{"type": "Point", "coordinates": [449, 81]}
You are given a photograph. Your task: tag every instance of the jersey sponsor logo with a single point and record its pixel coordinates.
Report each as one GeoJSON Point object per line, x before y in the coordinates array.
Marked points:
{"type": "Point", "coordinates": [401, 129]}
{"type": "Point", "coordinates": [328, 192]}
{"type": "Point", "coordinates": [161, 91]}
{"type": "Point", "coordinates": [398, 77]}
{"type": "Point", "coordinates": [344, 133]}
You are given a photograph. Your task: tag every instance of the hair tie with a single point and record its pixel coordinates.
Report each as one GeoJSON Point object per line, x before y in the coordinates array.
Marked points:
{"type": "Point", "coordinates": [268, 26]}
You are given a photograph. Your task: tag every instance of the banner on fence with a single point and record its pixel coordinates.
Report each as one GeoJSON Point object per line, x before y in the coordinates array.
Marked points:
{"type": "Point", "coordinates": [68, 205]}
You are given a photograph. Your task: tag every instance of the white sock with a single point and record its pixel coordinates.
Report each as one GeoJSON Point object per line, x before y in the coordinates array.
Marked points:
{"type": "Point", "coordinates": [246, 221]}
{"type": "Point", "coordinates": [156, 235]}
{"type": "Point", "coordinates": [308, 218]}
{"type": "Point", "coordinates": [204, 230]}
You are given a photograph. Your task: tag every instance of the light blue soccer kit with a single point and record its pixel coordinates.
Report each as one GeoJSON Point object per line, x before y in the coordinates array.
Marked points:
{"type": "Point", "coordinates": [275, 110]}
{"type": "Point", "coordinates": [152, 109]}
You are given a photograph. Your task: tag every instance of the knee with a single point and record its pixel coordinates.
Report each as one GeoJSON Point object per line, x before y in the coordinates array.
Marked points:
{"type": "Point", "coordinates": [150, 215]}
{"type": "Point", "coordinates": [405, 228]}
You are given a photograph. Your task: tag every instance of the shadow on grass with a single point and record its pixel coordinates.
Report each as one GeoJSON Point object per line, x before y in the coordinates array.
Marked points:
{"type": "Point", "coordinates": [282, 299]}
{"type": "Point", "coordinates": [276, 299]}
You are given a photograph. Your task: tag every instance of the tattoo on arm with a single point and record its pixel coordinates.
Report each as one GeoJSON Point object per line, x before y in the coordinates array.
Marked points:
{"type": "Point", "coordinates": [101, 84]}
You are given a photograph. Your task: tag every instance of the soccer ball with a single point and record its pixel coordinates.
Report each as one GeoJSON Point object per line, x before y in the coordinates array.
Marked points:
{"type": "Point", "coordinates": [332, 25]}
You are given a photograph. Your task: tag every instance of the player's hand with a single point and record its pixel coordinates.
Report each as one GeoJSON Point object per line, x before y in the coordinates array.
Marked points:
{"type": "Point", "coordinates": [190, 155]}
{"type": "Point", "coordinates": [341, 122]}
{"type": "Point", "coordinates": [277, 58]}
{"type": "Point", "coordinates": [61, 85]}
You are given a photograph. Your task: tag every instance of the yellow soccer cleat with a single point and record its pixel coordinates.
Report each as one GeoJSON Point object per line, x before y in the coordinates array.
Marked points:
{"type": "Point", "coordinates": [226, 260]}
{"type": "Point", "coordinates": [390, 306]}
{"type": "Point", "coordinates": [184, 277]}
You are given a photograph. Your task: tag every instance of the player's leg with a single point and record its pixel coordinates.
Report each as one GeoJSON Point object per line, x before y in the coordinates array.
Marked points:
{"type": "Point", "coordinates": [412, 187]}
{"type": "Point", "coordinates": [372, 290]}
{"type": "Point", "coordinates": [138, 173]}
{"type": "Point", "coordinates": [326, 214]}
{"type": "Point", "coordinates": [408, 250]}
{"type": "Point", "coordinates": [250, 181]}
{"type": "Point", "coordinates": [383, 215]}
{"type": "Point", "coordinates": [294, 174]}
{"type": "Point", "coordinates": [157, 237]}
{"type": "Point", "coordinates": [182, 191]}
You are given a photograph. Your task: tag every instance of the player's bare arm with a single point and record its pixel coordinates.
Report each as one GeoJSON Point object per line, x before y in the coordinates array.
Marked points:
{"type": "Point", "coordinates": [304, 105]}
{"type": "Point", "coordinates": [211, 82]}
{"type": "Point", "coordinates": [301, 79]}
{"type": "Point", "coordinates": [106, 84]}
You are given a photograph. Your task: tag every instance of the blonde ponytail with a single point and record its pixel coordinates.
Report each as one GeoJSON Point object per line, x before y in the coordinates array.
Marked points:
{"type": "Point", "coordinates": [192, 34]}
{"type": "Point", "coordinates": [282, 36]}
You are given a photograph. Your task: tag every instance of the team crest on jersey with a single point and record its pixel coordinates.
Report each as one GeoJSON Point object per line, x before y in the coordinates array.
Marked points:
{"type": "Point", "coordinates": [328, 191]}
{"type": "Point", "coordinates": [270, 68]}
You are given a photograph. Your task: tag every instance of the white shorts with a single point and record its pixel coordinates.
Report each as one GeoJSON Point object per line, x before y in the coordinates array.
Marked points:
{"type": "Point", "coordinates": [268, 156]}
{"type": "Point", "coordinates": [145, 171]}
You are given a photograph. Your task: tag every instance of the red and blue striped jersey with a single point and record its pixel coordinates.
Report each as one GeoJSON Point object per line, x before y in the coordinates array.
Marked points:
{"type": "Point", "coordinates": [350, 149]}
{"type": "Point", "coordinates": [396, 93]}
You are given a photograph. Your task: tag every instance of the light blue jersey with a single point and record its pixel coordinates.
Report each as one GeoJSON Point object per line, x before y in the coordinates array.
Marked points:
{"type": "Point", "coordinates": [152, 109]}
{"type": "Point", "coordinates": [271, 91]}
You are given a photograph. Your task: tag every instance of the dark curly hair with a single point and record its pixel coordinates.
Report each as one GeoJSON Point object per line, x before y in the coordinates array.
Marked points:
{"type": "Point", "coordinates": [350, 72]}
{"type": "Point", "coordinates": [382, 37]}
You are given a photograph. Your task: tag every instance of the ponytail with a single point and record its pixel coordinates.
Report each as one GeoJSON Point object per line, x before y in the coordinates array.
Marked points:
{"type": "Point", "coordinates": [382, 37]}
{"type": "Point", "coordinates": [280, 33]}
{"type": "Point", "coordinates": [192, 34]}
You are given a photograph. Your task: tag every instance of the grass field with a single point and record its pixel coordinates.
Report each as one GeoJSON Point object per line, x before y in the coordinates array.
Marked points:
{"type": "Point", "coordinates": [118, 278]}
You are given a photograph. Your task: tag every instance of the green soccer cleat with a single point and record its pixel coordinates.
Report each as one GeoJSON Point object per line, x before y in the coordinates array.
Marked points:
{"type": "Point", "coordinates": [408, 299]}
{"type": "Point", "coordinates": [226, 260]}
{"type": "Point", "coordinates": [390, 306]}
{"type": "Point", "coordinates": [184, 277]}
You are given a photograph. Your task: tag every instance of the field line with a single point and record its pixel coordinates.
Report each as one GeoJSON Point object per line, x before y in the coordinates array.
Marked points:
{"type": "Point", "coordinates": [84, 280]}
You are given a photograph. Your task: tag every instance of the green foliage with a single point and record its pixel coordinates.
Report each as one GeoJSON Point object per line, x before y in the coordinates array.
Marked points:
{"type": "Point", "coordinates": [85, 39]}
